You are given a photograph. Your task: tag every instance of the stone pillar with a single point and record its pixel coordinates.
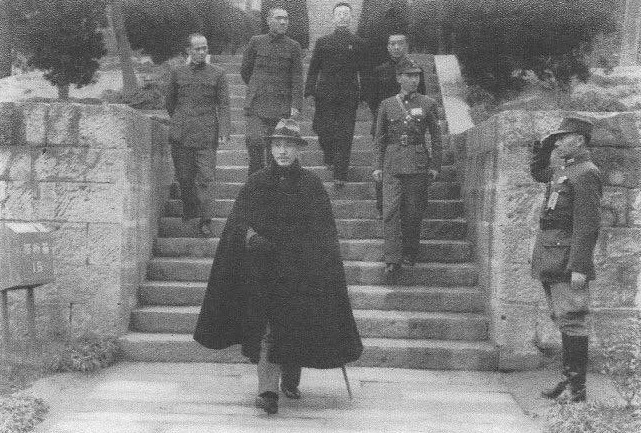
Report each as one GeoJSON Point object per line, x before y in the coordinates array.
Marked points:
{"type": "Point", "coordinates": [630, 33]}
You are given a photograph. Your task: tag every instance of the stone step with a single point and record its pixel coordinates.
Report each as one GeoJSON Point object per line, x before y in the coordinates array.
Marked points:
{"type": "Point", "coordinates": [351, 249]}
{"type": "Point", "coordinates": [353, 190]}
{"type": "Point", "coordinates": [371, 323]}
{"type": "Point", "coordinates": [378, 352]}
{"type": "Point", "coordinates": [358, 173]}
{"type": "Point", "coordinates": [237, 88]}
{"type": "Point", "coordinates": [362, 154]}
{"type": "Point", "coordinates": [443, 209]}
{"type": "Point", "coordinates": [362, 127]}
{"type": "Point", "coordinates": [452, 229]}
{"type": "Point", "coordinates": [403, 298]}
{"type": "Point", "coordinates": [356, 272]}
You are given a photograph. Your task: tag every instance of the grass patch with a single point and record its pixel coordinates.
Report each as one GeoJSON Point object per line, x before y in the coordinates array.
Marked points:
{"type": "Point", "coordinates": [20, 366]}
{"type": "Point", "coordinates": [593, 417]}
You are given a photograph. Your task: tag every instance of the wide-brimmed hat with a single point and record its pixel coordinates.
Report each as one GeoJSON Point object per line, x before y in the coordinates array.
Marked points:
{"type": "Point", "coordinates": [570, 125]}
{"type": "Point", "coordinates": [408, 66]}
{"type": "Point", "coordinates": [289, 129]}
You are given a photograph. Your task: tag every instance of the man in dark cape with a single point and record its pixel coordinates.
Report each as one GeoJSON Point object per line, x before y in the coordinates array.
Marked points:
{"type": "Point", "coordinates": [278, 273]}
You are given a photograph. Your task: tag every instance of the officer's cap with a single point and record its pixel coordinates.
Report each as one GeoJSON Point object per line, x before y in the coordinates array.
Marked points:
{"type": "Point", "coordinates": [570, 125]}
{"type": "Point", "coordinates": [289, 129]}
{"type": "Point", "coordinates": [408, 66]}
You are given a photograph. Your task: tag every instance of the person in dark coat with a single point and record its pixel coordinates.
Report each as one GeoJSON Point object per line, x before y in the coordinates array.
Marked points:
{"type": "Point", "coordinates": [277, 284]}
{"type": "Point", "coordinates": [407, 158]}
{"type": "Point", "coordinates": [273, 71]}
{"type": "Point", "coordinates": [385, 86]}
{"type": "Point", "coordinates": [198, 103]}
{"type": "Point", "coordinates": [563, 253]}
{"type": "Point", "coordinates": [332, 79]}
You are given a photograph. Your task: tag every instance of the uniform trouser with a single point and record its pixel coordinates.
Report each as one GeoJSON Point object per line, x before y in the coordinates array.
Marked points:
{"type": "Point", "coordinates": [404, 197]}
{"type": "Point", "coordinates": [195, 172]}
{"type": "Point", "coordinates": [335, 128]}
{"type": "Point", "coordinates": [569, 307]}
{"type": "Point", "coordinates": [258, 149]}
{"type": "Point", "coordinates": [269, 373]}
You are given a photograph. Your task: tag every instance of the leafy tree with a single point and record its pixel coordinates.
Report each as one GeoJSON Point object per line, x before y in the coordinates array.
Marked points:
{"type": "Point", "coordinates": [298, 18]}
{"type": "Point", "coordinates": [6, 52]}
{"type": "Point", "coordinates": [496, 40]}
{"type": "Point", "coordinates": [61, 37]}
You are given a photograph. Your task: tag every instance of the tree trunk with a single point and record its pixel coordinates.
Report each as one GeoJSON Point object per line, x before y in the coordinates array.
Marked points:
{"type": "Point", "coordinates": [6, 37]}
{"type": "Point", "coordinates": [63, 92]}
{"type": "Point", "coordinates": [117, 22]}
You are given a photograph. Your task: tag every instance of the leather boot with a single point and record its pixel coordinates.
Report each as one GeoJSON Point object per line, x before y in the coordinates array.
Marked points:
{"type": "Point", "coordinates": [290, 379]}
{"type": "Point", "coordinates": [578, 366]}
{"type": "Point", "coordinates": [560, 387]}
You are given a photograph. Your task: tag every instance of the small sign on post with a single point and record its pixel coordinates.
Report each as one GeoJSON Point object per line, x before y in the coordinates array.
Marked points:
{"type": "Point", "coordinates": [26, 261]}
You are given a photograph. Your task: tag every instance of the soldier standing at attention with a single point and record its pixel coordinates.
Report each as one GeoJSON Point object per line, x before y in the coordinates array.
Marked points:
{"type": "Point", "coordinates": [563, 253]}
{"type": "Point", "coordinates": [198, 103]}
{"type": "Point", "coordinates": [407, 158]}
{"type": "Point", "coordinates": [332, 80]}
{"type": "Point", "coordinates": [273, 71]}
{"type": "Point", "coordinates": [385, 86]}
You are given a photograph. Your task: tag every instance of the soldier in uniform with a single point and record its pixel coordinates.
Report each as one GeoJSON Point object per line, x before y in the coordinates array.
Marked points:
{"type": "Point", "coordinates": [332, 80]}
{"type": "Point", "coordinates": [408, 156]}
{"type": "Point", "coordinates": [198, 103]}
{"type": "Point", "coordinates": [385, 86]}
{"type": "Point", "coordinates": [273, 71]}
{"type": "Point", "coordinates": [563, 252]}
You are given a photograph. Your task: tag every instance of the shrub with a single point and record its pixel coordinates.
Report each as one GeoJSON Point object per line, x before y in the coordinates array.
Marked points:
{"type": "Point", "coordinates": [161, 27]}
{"type": "Point", "coordinates": [591, 417]}
{"type": "Point", "coordinates": [622, 363]}
{"type": "Point", "coordinates": [497, 39]}
{"type": "Point", "coordinates": [61, 37]}
{"type": "Point", "coordinates": [298, 18]}
{"type": "Point", "coordinates": [150, 97]}
{"type": "Point", "coordinates": [21, 414]}
{"type": "Point", "coordinates": [86, 353]}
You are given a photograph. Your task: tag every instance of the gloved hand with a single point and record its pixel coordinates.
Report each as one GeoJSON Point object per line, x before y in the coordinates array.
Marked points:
{"type": "Point", "coordinates": [259, 244]}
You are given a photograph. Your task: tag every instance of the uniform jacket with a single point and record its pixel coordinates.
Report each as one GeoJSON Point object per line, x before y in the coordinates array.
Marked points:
{"type": "Point", "coordinates": [570, 217]}
{"type": "Point", "coordinates": [273, 71]}
{"type": "Point", "coordinates": [300, 288]}
{"type": "Point", "coordinates": [333, 70]}
{"type": "Point", "coordinates": [407, 140]}
{"type": "Point", "coordinates": [198, 103]}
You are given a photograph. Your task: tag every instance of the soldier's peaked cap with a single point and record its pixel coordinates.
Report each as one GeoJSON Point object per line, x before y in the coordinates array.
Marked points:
{"type": "Point", "coordinates": [571, 125]}
{"type": "Point", "coordinates": [289, 129]}
{"type": "Point", "coordinates": [408, 66]}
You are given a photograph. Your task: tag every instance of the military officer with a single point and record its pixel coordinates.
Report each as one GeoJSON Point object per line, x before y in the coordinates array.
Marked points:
{"type": "Point", "coordinates": [198, 103]}
{"type": "Point", "coordinates": [273, 71]}
{"type": "Point", "coordinates": [386, 85]}
{"type": "Point", "coordinates": [408, 156]}
{"type": "Point", "coordinates": [563, 252]}
{"type": "Point", "coordinates": [332, 79]}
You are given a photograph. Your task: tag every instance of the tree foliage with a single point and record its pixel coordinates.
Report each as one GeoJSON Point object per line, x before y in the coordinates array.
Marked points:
{"type": "Point", "coordinates": [298, 18]}
{"type": "Point", "coordinates": [61, 37]}
{"type": "Point", "coordinates": [161, 27]}
{"type": "Point", "coordinates": [496, 39]}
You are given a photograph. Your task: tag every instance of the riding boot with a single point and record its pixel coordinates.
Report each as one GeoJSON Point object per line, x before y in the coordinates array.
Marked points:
{"type": "Point", "coordinates": [560, 387]}
{"type": "Point", "coordinates": [578, 367]}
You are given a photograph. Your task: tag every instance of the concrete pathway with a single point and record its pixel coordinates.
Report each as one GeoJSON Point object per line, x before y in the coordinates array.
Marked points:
{"type": "Point", "coordinates": [194, 398]}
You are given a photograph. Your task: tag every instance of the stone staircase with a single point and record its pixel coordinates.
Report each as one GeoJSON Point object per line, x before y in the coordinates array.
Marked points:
{"type": "Point", "coordinates": [432, 317]}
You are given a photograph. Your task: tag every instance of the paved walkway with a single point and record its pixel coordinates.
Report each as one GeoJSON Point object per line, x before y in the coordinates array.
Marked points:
{"type": "Point", "coordinates": [194, 398]}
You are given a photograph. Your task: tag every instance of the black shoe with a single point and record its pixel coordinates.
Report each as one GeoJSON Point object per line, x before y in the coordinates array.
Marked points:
{"type": "Point", "coordinates": [556, 391]}
{"type": "Point", "coordinates": [409, 260]}
{"type": "Point", "coordinates": [392, 269]}
{"type": "Point", "coordinates": [268, 401]}
{"type": "Point", "coordinates": [204, 227]}
{"type": "Point", "coordinates": [290, 393]}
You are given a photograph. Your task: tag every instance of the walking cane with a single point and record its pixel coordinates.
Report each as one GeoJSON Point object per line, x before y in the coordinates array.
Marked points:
{"type": "Point", "coordinates": [349, 388]}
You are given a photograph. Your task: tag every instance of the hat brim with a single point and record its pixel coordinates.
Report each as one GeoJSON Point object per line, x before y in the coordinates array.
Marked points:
{"type": "Point", "coordinates": [299, 141]}
{"type": "Point", "coordinates": [555, 134]}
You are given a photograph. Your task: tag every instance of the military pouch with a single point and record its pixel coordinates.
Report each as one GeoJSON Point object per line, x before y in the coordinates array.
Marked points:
{"type": "Point", "coordinates": [554, 255]}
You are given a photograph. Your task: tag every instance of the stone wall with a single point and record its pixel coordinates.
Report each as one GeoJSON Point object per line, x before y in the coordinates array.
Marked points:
{"type": "Point", "coordinates": [95, 174]}
{"type": "Point", "coordinates": [502, 203]}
